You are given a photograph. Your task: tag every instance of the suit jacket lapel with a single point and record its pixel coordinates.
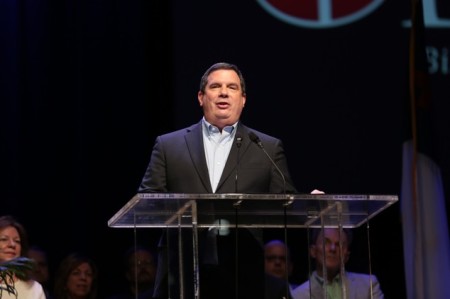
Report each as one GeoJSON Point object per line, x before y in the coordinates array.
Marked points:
{"type": "Point", "coordinates": [194, 141]}
{"type": "Point", "coordinates": [351, 289]}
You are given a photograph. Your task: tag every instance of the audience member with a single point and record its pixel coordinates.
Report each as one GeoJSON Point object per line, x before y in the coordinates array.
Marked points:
{"type": "Point", "coordinates": [41, 272]}
{"type": "Point", "coordinates": [14, 244]}
{"type": "Point", "coordinates": [330, 248]}
{"type": "Point", "coordinates": [76, 278]}
{"type": "Point", "coordinates": [277, 261]}
{"type": "Point", "coordinates": [140, 272]}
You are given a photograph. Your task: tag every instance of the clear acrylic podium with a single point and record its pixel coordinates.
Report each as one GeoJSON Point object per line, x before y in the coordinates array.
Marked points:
{"type": "Point", "coordinates": [235, 210]}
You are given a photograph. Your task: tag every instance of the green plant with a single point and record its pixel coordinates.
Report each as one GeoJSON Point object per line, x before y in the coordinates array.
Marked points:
{"type": "Point", "coordinates": [17, 267]}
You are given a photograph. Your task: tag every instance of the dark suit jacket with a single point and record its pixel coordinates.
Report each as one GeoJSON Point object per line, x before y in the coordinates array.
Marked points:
{"type": "Point", "coordinates": [178, 165]}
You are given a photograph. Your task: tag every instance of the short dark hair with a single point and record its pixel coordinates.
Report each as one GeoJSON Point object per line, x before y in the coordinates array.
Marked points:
{"type": "Point", "coordinates": [222, 66]}
{"type": "Point", "coordinates": [132, 250]}
{"type": "Point", "coordinates": [278, 242]}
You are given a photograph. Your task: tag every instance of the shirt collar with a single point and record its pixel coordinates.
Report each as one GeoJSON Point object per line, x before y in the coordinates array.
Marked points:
{"type": "Point", "coordinates": [320, 280]}
{"type": "Point", "coordinates": [211, 129]}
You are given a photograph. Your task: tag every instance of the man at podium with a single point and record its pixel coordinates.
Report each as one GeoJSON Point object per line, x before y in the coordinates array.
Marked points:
{"type": "Point", "coordinates": [219, 154]}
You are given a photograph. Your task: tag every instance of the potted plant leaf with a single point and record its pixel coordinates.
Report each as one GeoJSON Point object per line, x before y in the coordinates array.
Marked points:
{"type": "Point", "coordinates": [17, 267]}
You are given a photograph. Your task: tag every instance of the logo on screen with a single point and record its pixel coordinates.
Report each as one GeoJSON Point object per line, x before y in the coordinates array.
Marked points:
{"type": "Point", "coordinates": [320, 14]}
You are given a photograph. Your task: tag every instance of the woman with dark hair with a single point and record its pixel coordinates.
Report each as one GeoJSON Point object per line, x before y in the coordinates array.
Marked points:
{"type": "Point", "coordinates": [76, 278]}
{"type": "Point", "coordinates": [14, 244]}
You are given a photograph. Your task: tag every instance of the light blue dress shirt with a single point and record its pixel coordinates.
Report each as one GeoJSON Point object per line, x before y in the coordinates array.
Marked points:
{"type": "Point", "coordinates": [217, 148]}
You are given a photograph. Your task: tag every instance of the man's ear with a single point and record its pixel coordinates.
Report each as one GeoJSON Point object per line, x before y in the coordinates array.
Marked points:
{"type": "Point", "coordinates": [200, 98]}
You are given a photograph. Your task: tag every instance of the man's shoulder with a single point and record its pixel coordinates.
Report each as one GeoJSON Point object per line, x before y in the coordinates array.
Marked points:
{"type": "Point", "coordinates": [301, 291]}
{"type": "Point", "coordinates": [302, 287]}
{"type": "Point", "coordinates": [180, 132]}
{"type": "Point", "coordinates": [362, 280]}
{"type": "Point", "coordinates": [360, 276]}
{"type": "Point", "coordinates": [263, 136]}
{"type": "Point", "coordinates": [359, 283]}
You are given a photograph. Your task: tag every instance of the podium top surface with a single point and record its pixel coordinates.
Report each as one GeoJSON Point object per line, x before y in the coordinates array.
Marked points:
{"type": "Point", "coordinates": [249, 210]}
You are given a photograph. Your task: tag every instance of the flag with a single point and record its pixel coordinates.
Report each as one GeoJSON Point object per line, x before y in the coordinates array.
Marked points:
{"type": "Point", "coordinates": [424, 220]}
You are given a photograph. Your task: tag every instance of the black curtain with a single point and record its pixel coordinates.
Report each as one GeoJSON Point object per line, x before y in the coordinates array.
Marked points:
{"type": "Point", "coordinates": [86, 86]}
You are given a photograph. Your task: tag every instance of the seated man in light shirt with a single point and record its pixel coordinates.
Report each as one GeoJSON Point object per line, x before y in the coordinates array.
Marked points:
{"type": "Point", "coordinates": [326, 249]}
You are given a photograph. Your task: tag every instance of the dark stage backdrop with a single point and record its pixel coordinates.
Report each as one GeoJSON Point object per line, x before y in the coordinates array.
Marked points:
{"type": "Point", "coordinates": [86, 86]}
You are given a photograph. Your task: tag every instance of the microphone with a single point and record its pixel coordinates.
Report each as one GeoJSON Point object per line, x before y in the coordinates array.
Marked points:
{"type": "Point", "coordinates": [236, 205]}
{"type": "Point", "coordinates": [238, 144]}
{"type": "Point", "coordinates": [255, 139]}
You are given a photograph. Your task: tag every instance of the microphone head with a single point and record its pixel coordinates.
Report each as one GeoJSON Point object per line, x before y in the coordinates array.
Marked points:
{"type": "Point", "coordinates": [253, 137]}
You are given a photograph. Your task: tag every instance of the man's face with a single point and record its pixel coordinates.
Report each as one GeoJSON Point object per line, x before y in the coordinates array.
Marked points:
{"type": "Point", "coordinates": [223, 100]}
{"type": "Point", "coordinates": [275, 261]}
{"type": "Point", "coordinates": [145, 267]}
{"type": "Point", "coordinates": [40, 271]}
{"type": "Point", "coordinates": [326, 250]}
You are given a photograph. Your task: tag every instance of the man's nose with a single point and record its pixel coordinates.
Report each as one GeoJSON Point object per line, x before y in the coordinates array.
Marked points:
{"type": "Point", "coordinates": [224, 90]}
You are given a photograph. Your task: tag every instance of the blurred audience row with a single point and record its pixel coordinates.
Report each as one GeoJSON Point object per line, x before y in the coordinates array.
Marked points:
{"type": "Point", "coordinates": [77, 275]}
